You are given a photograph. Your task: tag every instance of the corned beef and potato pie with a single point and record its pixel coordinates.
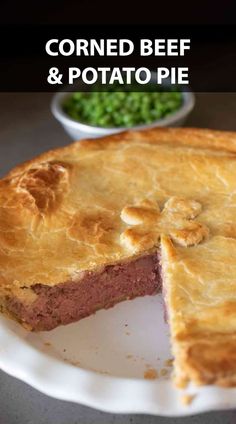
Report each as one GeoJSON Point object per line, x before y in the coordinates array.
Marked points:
{"type": "Point", "coordinates": [97, 222]}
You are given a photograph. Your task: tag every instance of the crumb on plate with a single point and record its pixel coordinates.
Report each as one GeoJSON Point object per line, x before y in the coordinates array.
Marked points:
{"type": "Point", "coordinates": [163, 372]}
{"type": "Point", "coordinates": [151, 374]}
{"type": "Point", "coordinates": [169, 362]}
{"type": "Point", "coordinates": [71, 362]}
{"type": "Point", "coordinates": [187, 399]}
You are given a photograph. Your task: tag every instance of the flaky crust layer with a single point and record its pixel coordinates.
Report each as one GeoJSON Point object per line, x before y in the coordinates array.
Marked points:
{"type": "Point", "coordinates": [200, 291]}
{"type": "Point", "coordinates": [99, 202]}
{"type": "Point", "coordinates": [61, 213]}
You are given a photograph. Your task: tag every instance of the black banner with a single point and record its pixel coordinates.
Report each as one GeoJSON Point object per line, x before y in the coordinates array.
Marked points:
{"type": "Point", "coordinates": [25, 64]}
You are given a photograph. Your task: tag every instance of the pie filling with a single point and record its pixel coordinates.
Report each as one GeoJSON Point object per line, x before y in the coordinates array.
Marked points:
{"type": "Point", "coordinates": [121, 197]}
{"type": "Point", "coordinates": [70, 301]}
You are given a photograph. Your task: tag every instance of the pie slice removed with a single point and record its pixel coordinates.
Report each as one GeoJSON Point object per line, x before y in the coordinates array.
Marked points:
{"type": "Point", "coordinates": [100, 221]}
{"type": "Point", "coordinates": [199, 286]}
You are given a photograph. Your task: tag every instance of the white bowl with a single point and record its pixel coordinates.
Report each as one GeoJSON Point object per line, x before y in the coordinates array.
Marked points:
{"type": "Point", "coordinates": [78, 130]}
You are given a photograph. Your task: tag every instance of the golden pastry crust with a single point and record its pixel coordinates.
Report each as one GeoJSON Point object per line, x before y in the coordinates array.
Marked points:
{"type": "Point", "coordinates": [73, 197]}
{"type": "Point", "coordinates": [200, 291]}
{"type": "Point", "coordinates": [176, 219]}
{"type": "Point", "coordinates": [94, 203]}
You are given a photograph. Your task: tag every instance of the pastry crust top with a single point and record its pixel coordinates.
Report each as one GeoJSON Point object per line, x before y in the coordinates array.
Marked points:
{"type": "Point", "coordinates": [94, 203]}
{"type": "Point", "coordinates": [200, 290]}
{"type": "Point", "coordinates": [67, 210]}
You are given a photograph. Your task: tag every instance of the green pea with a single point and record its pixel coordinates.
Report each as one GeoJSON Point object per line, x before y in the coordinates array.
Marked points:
{"type": "Point", "coordinates": [115, 108]}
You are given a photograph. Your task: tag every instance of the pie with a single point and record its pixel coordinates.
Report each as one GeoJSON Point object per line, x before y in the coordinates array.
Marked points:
{"type": "Point", "coordinates": [96, 222]}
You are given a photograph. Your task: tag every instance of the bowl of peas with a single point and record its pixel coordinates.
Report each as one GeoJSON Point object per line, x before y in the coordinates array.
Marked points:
{"type": "Point", "coordinates": [97, 113]}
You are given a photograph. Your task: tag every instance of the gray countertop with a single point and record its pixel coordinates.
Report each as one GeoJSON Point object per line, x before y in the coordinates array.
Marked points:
{"type": "Point", "coordinates": [27, 129]}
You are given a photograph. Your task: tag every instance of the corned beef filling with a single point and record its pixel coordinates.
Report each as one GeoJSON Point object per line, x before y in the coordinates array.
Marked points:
{"type": "Point", "coordinates": [70, 301]}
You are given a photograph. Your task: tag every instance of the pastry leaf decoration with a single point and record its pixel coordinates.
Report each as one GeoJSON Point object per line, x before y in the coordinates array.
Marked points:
{"type": "Point", "coordinates": [177, 220]}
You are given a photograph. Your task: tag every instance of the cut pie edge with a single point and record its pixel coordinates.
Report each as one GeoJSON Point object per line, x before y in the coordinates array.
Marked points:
{"type": "Point", "coordinates": [195, 354]}
{"type": "Point", "coordinates": [203, 357]}
{"type": "Point", "coordinates": [43, 308]}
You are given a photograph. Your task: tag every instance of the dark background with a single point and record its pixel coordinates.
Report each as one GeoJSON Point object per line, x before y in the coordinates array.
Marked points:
{"type": "Point", "coordinates": [25, 64]}
{"type": "Point", "coordinates": [119, 12]}
{"type": "Point", "coordinates": [26, 25]}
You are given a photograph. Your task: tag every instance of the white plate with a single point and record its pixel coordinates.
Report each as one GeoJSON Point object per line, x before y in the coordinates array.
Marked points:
{"type": "Point", "coordinates": [101, 362]}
